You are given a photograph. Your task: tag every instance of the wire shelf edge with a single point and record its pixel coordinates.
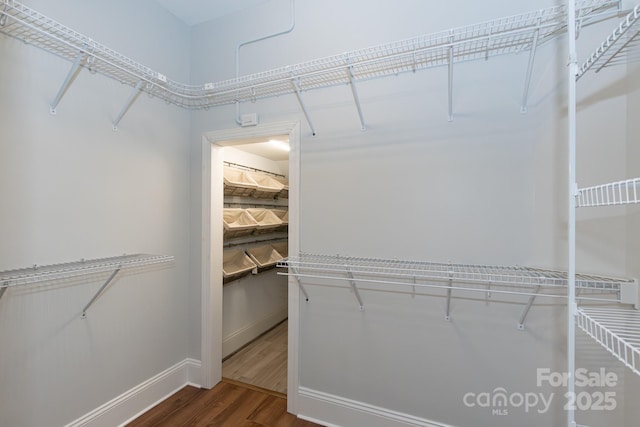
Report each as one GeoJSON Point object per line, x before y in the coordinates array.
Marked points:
{"type": "Point", "coordinates": [511, 34]}
{"type": "Point", "coordinates": [39, 274]}
{"type": "Point", "coordinates": [462, 277]}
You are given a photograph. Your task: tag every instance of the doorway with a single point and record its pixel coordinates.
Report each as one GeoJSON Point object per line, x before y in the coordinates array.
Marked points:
{"type": "Point", "coordinates": [254, 314]}
{"type": "Point", "coordinates": [212, 335]}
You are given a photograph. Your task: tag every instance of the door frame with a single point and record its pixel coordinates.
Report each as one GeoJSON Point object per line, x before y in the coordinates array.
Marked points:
{"type": "Point", "coordinates": [211, 267]}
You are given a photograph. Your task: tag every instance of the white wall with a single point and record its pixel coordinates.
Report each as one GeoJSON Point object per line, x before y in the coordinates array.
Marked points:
{"type": "Point", "coordinates": [488, 188]}
{"type": "Point", "coordinates": [72, 188]}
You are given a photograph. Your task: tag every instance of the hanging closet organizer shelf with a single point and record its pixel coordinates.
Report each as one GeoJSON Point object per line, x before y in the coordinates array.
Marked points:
{"type": "Point", "coordinates": [46, 273]}
{"type": "Point", "coordinates": [267, 221]}
{"type": "Point", "coordinates": [236, 264]}
{"type": "Point", "coordinates": [238, 183]}
{"type": "Point", "coordinates": [620, 47]}
{"type": "Point", "coordinates": [264, 256]}
{"type": "Point", "coordinates": [284, 193]}
{"type": "Point", "coordinates": [238, 223]}
{"type": "Point", "coordinates": [617, 193]}
{"type": "Point", "coordinates": [283, 215]}
{"type": "Point", "coordinates": [466, 277]}
{"type": "Point", "coordinates": [508, 35]}
{"type": "Point", "coordinates": [282, 248]}
{"type": "Point", "coordinates": [267, 187]}
{"type": "Point", "coordinates": [615, 329]}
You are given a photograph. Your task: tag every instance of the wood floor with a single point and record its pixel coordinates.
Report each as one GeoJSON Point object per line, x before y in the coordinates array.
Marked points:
{"type": "Point", "coordinates": [225, 405]}
{"type": "Point", "coordinates": [262, 363]}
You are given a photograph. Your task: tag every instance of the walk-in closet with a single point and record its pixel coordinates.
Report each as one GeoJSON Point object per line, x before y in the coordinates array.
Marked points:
{"type": "Point", "coordinates": [286, 212]}
{"type": "Point", "coordinates": [255, 238]}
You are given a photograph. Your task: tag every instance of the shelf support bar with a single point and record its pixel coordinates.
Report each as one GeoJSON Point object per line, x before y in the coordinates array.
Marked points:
{"type": "Point", "coordinates": [4, 16]}
{"type": "Point", "coordinates": [67, 82]}
{"type": "Point", "coordinates": [296, 274]}
{"type": "Point", "coordinates": [102, 288]}
{"type": "Point", "coordinates": [3, 290]}
{"type": "Point", "coordinates": [451, 83]}
{"type": "Point", "coordinates": [356, 98]}
{"type": "Point", "coordinates": [352, 282]}
{"type": "Point", "coordinates": [525, 313]}
{"type": "Point", "coordinates": [571, 221]}
{"type": "Point", "coordinates": [296, 86]}
{"type": "Point", "coordinates": [532, 58]}
{"type": "Point", "coordinates": [125, 108]}
{"type": "Point", "coordinates": [447, 315]}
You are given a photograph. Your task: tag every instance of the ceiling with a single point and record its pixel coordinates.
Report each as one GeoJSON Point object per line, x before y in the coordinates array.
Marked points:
{"type": "Point", "coordinates": [193, 12]}
{"type": "Point", "coordinates": [262, 147]}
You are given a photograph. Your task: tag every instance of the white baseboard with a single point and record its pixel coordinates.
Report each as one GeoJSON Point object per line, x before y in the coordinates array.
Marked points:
{"type": "Point", "coordinates": [130, 404]}
{"type": "Point", "coordinates": [335, 411]}
{"type": "Point", "coordinates": [235, 340]}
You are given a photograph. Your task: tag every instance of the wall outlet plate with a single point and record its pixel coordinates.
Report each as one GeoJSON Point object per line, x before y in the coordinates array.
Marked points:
{"type": "Point", "coordinates": [249, 119]}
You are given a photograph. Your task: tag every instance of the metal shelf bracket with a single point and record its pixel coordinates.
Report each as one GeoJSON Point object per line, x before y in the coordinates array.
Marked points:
{"type": "Point", "coordinates": [451, 81]}
{"type": "Point", "coordinates": [527, 80]}
{"type": "Point", "coordinates": [352, 282]}
{"type": "Point", "coordinates": [296, 85]}
{"type": "Point", "coordinates": [67, 82]}
{"type": "Point", "coordinates": [3, 289]}
{"type": "Point", "coordinates": [356, 98]}
{"type": "Point", "coordinates": [525, 312]}
{"type": "Point", "coordinates": [4, 18]}
{"type": "Point", "coordinates": [97, 294]}
{"type": "Point", "coordinates": [447, 315]}
{"type": "Point", "coordinates": [299, 280]}
{"type": "Point", "coordinates": [132, 97]}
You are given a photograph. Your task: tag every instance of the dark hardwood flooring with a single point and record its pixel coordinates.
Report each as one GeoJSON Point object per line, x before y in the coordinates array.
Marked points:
{"type": "Point", "coordinates": [228, 404]}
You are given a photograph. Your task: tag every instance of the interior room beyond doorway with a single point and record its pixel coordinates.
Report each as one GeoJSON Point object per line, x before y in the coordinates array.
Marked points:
{"type": "Point", "coordinates": [255, 238]}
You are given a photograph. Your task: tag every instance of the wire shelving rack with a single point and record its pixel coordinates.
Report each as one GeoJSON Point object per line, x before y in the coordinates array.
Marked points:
{"type": "Point", "coordinates": [507, 35]}
{"type": "Point", "coordinates": [620, 47]}
{"type": "Point", "coordinates": [616, 329]}
{"type": "Point", "coordinates": [359, 273]}
{"type": "Point", "coordinates": [54, 272]}
{"type": "Point", "coordinates": [616, 193]}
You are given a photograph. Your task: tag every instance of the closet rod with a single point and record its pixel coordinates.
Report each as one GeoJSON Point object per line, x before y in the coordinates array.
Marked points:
{"type": "Point", "coordinates": [237, 165]}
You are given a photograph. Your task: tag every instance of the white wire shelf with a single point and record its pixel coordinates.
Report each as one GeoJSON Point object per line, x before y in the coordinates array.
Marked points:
{"type": "Point", "coordinates": [512, 34]}
{"type": "Point", "coordinates": [488, 279]}
{"type": "Point", "coordinates": [47, 273]}
{"type": "Point", "coordinates": [617, 330]}
{"type": "Point", "coordinates": [619, 48]}
{"type": "Point", "coordinates": [616, 193]}
{"type": "Point", "coordinates": [463, 277]}
{"type": "Point", "coordinates": [404, 272]}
